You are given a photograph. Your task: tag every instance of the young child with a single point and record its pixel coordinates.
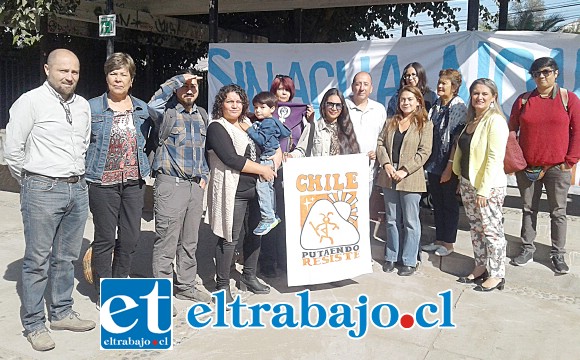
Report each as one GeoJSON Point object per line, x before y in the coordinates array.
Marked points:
{"type": "Point", "coordinates": [266, 133]}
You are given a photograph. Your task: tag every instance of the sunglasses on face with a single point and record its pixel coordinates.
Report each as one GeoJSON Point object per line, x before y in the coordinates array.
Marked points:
{"type": "Point", "coordinates": [331, 105]}
{"type": "Point", "coordinates": [546, 73]}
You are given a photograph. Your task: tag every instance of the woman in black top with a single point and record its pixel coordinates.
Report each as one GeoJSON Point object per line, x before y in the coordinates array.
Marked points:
{"type": "Point", "coordinates": [232, 196]}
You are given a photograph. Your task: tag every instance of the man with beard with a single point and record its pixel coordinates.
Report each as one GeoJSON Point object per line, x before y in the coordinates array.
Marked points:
{"type": "Point", "coordinates": [181, 172]}
{"type": "Point", "coordinates": [46, 141]}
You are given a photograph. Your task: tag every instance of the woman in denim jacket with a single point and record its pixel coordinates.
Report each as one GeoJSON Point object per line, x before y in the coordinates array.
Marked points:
{"type": "Point", "coordinates": [116, 166]}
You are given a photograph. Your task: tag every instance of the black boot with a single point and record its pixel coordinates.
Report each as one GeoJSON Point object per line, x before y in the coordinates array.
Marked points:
{"type": "Point", "coordinates": [251, 283]}
{"type": "Point", "coordinates": [229, 297]}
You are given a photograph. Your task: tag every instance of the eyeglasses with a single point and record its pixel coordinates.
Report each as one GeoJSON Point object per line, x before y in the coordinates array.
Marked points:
{"type": "Point", "coordinates": [546, 73]}
{"type": "Point", "coordinates": [280, 76]}
{"type": "Point", "coordinates": [331, 105]}
{"type": "Point", "coordinates": [408, 76]}
{"type": "Point", "coordinates": [66, 108]}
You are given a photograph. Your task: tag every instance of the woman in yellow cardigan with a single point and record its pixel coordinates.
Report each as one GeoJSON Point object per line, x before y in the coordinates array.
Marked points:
{"type": "Point", "coordinates": [478, 161]}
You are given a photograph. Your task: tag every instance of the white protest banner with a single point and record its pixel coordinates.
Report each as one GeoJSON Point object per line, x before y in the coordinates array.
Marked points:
{"type": "Point", "coordinates": [504, 57]}
{"type": "Point", "coordinates": [327, 218]}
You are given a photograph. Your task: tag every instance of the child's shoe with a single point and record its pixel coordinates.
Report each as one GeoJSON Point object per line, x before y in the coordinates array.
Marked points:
{"type": "Point", "coordinates": [264, 227]}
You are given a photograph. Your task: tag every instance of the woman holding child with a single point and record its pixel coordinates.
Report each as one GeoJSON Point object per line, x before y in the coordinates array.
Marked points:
{"type": "Point", "coordinates": [234, 168]}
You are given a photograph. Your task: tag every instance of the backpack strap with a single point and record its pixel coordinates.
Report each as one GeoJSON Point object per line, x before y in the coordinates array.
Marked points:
{"type": "Point", "coordinates": [564, 96]}
{"type": "Point", "coordinates": [525, 98]}
{"type": "Point", "coordinates": [203, 114]}
{"type": "Point", "coordinates": [169, 119]}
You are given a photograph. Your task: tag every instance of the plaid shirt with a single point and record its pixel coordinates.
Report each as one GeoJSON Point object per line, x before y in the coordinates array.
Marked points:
{"type": "Point", "coordinates": [182, 154]}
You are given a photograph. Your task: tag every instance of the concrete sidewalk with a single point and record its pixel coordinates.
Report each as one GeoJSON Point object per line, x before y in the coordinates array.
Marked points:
{"type": "Point", "coordinates": [536, 316]}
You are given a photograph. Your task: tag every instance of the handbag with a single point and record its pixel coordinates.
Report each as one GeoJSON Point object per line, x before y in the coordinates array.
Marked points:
{"type": "Point", "coordinates": [514, 157]}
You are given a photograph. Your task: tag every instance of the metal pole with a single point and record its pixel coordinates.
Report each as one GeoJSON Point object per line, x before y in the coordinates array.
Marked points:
{"type": "Point", "coordinates": [472, 15]}
{"type": "Point", "coordinates": [405, 24]}
{"type": "Point", "coordinates": [503, 14]}
{"type": "Point", "coordinates": [297, 25]}
{"type": "Point", "coordinates": [110, 40]}
{"type": "Point", "coordinates": [213, 21]}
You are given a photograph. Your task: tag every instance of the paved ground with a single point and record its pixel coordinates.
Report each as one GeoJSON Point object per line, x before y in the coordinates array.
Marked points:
{"type": "Point", "coordinates": [536, 316]}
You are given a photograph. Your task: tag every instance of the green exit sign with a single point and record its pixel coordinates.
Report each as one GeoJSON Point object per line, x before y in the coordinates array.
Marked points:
{"type": "Point", "coordinates": [107, 25]}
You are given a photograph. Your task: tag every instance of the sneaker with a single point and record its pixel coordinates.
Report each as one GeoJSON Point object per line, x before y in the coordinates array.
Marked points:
{"type": "Point", "coordinates": [40, 340]}
{"type": "Point", "coordinates": [194, 294]}
{"type": "Point", "coordinates": [524, 258]}
{"type": "Point", "coordinates": [560, 266]}
{"type": "Point", "coordinates": [443, 251]}
{"type": "Point", "coordinates": [72, 322]}
{"type": "Point", "coordinates": [265, 227]}
{"type": "Point", "coordinates": [430, 247]}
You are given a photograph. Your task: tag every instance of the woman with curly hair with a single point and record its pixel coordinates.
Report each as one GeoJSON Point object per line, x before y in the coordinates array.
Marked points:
{"type": "Point", "coordinates": [234, 168]}
{"type": "Point", "coordinates": [333, 132]}
{"type": "Point", "coordinates": [402, 149]}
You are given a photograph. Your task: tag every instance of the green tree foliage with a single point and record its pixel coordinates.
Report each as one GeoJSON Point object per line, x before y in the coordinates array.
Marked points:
{"type": "Point", "coordinates": [22, 17]}
{"type": "Point", "coordinates": [338, 24]}
{"type": "Point", "coordinates": [487, 20]}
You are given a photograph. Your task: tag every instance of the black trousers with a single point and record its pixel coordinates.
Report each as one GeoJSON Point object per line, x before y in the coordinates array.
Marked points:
{"type": "Point", "coordinates": [117, 211]}
{"type": "Point", "coordinates": [246, 208]}
{"type": "Point", "coordinates": [274, 246]}
{"type": "Point", "coordinates": [446, 207]}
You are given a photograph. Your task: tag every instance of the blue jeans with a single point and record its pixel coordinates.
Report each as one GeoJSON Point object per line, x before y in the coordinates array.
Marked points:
{"type": "Point", "coordinates": [403, 226]}
{"type": "Point", "coordinates": [54, 214]}
{"type": "Point", "coordinates": [266, 195]}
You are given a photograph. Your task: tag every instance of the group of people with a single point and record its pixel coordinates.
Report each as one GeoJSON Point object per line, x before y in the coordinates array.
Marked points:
{"type": "Point", "coordinates": [72, 155]}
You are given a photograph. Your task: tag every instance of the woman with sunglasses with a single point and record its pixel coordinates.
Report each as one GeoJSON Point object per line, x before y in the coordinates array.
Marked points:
{"type": "Point", "coordinates": [273, 255]}
{"type": "Point", "coordinates": [333, 132]}
{"type": "Point", "coordinates": [402, 149]}
{"type": "Point", "coordinates": [414, 74]}
{"type": "Point", "coordinates": [549, 135]}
